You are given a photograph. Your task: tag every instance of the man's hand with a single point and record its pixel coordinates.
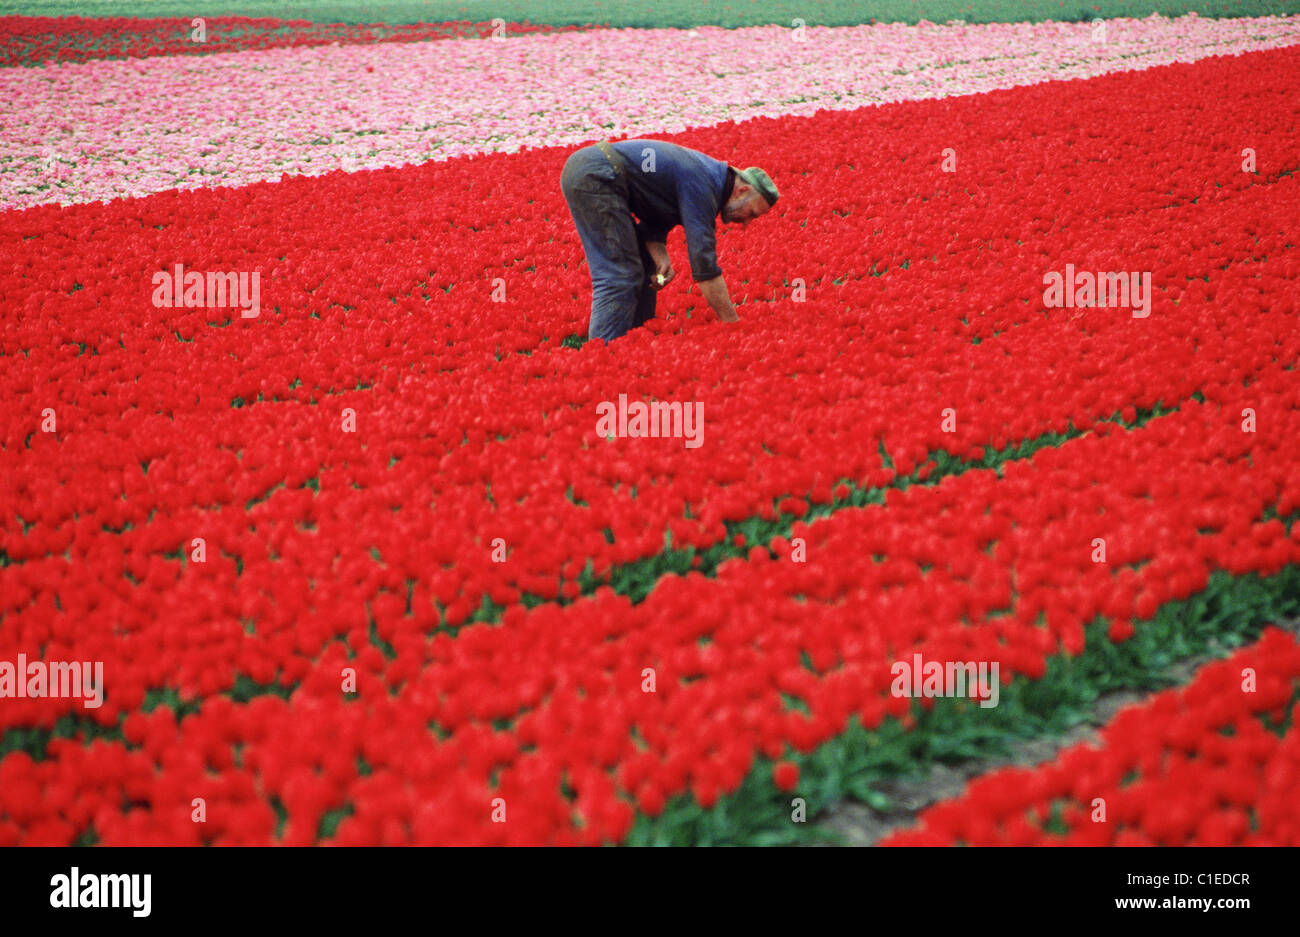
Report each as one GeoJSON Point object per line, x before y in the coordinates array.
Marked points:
{"type": "Point", "coordinates": [664, 272]}
{"type": "Point", "coordinates": [715, 291]}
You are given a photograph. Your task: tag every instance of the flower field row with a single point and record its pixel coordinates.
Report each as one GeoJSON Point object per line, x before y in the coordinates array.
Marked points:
{"type": "Point", "coordinates": [977, 568]}
{"type": "Point", "coordinates": [1216, 763]}
{"type": "Point", "coordinates": [314, 110]}
{"type": "Point", "coordinates": [263, 427]}
{"type": "Point", "coordinates": [38, 40]}
{"type": "Point", "coordinates": [330, 550]}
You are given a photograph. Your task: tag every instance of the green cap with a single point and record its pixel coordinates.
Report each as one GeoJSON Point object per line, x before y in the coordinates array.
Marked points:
{"type": "Point", "coordinates": [761, 182]}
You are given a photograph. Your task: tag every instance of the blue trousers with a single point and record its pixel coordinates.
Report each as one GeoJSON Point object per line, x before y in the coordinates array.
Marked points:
{"type": "Point", "coordinates": [621, 267]}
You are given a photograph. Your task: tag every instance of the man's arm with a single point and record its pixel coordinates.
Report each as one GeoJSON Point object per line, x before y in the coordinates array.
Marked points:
{"type": "Point", "coordinates": [658, 251]}
{"type": "Point", "coordinates": [715, 291]}
{"type": "Point", "coordinates": [699, 208]}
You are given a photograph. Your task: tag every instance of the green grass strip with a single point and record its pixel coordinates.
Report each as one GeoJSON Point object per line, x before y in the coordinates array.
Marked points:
{"type": "Point", "coordinates": [664, 13]}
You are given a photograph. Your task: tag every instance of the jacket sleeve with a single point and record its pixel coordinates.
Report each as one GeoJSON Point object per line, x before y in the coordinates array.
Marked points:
{"type": "Point", "coordinates": [699, 207]}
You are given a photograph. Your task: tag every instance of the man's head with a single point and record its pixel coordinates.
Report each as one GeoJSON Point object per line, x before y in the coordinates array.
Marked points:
{"type": "Point", "coordinates": [752, 195]}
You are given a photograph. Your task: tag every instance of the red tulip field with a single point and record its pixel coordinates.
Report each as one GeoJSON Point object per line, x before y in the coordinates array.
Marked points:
{"type": "Point", "coordinates": [312, 530]}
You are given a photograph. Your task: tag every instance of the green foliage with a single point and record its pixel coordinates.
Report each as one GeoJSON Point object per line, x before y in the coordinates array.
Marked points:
{"type": "Point", "coordinates": [33, 741]}
{"type": "Point", "coordinates": [167, 696]}
{"type": "Point", "coordinates": [246, 688]}
{"type": "Point", "coordinates": [330, 820]}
